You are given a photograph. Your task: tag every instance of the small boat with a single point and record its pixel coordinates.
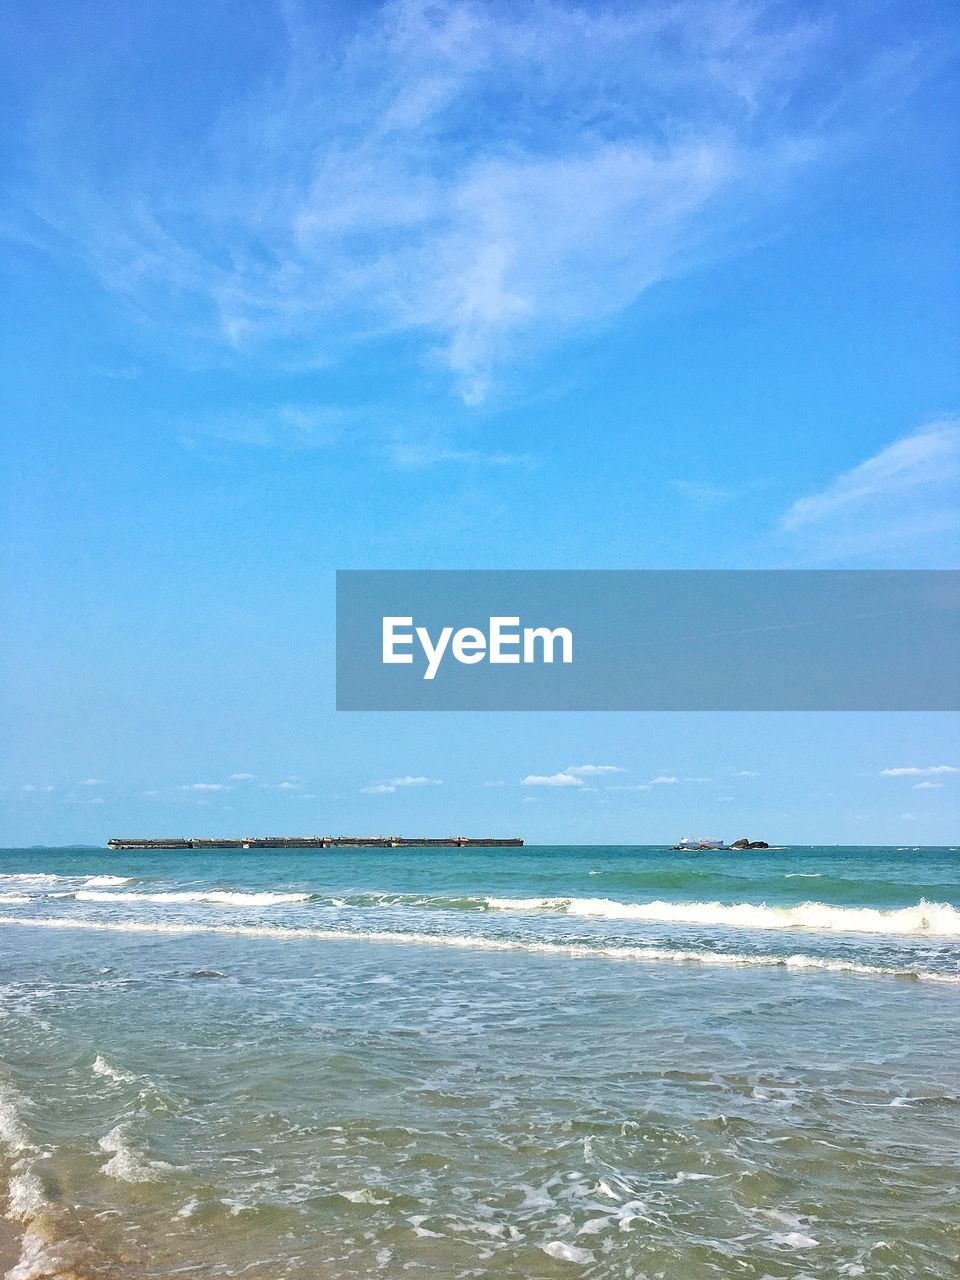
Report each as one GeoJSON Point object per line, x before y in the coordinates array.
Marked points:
{"type": "Point", "coordinates": [710, 842]}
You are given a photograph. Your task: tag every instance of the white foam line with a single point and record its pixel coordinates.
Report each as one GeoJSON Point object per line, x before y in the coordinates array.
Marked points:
{"type": "Point", "coordinates": [925, 919]}
{"type": "Point", "coordinates": [463, 942]}
{"type": "Point", "coordinates": [12, 1135]}
{"type": "Point", "coordinates": [219, 897]}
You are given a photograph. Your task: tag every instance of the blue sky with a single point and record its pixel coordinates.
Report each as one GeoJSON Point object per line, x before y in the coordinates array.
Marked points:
{"type": "Point", "coordinates": [291, 288]}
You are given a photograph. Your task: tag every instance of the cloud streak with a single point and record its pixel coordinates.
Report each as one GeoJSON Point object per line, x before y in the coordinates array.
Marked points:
{"type": "Point", "coordinates": [389, 786]}
{"type": "Point", "coordinates": [593, 770]}
{"type": "Point", "coordinates": [551, 780]}
{"type": "Point", "coordinates": [905, 495]}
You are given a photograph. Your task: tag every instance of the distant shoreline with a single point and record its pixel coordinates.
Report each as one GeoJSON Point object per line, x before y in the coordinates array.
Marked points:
{"type": "Point", "coordinates": [526, 846]}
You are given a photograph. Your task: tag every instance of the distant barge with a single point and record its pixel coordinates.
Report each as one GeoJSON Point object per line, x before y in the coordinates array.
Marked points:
{"type": "Point", "coordinates": [319, 842]}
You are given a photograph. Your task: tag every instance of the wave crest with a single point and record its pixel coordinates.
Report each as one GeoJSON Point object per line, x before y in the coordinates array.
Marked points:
{"type": "Point", "coordinates": [127, 1164]}
{"type": "Point", "coordinates": [101, 1067]}
{"type": "Point", "coordinates": [479, 943]}
{"type": "Point", "coordinates": [928, 918]}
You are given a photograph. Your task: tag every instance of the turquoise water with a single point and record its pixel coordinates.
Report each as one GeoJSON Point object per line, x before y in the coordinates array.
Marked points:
{"type": "Point", "coordinates": [610, 1062]}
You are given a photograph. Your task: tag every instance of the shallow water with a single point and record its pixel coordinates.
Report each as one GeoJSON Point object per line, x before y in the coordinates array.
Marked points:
{"type": "Point", "coordinates": [547, 1062]}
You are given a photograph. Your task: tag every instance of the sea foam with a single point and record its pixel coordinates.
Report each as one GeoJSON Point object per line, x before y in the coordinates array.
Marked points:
{"type": "Point", "coordinates": [126, 1163]}
{"type": "Point", "coordinates": [13, 1136]}
{"type": "Point", "coordinates": [42, 1256]}
{"type": "Point", "coordinates": [219, 897]}
{"type": "Point", "coordinates": [29, 875]}
{"type": "Point", "coordinates": [930, 918]}
{"type": "Point", "coordinates": [578, 950]}
{"type": "Point", "coordinates": [25, 1197]}
{"type": "Point", "coordinates": [568, 1253]}
{"type": "Point", "coordinates": [101, 1067]}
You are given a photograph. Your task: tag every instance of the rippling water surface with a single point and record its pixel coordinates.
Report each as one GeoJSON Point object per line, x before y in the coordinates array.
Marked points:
{"type": "Point", "coordinates": [611, 1062]}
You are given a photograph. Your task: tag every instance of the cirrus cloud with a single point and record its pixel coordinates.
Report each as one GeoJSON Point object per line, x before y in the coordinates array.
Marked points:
{"type": "Point", "coordinates": [906, 495]}
{"type": "Point", "coordinates": [481, 178]}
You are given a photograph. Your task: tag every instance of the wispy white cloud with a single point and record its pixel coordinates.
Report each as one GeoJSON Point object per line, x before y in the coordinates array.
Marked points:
{"type": "Point", "coordinates": [905, 496]}
{"type": "Point", "coordinates": [92, 782]}
{"type": "Point", "coordinates": [551, 780]}
{"type": "Point", "coordinates": [35, 787]}
{"type": "Point", "coordinates": [488, 178]}
{"type": "Point", "coordinates": [412, 456]}
{"type": "Point", "coordinates": [663, 780]}
{"type": "Point", "coordinates": [205, 786]}
{"type": "Point", "coordinates": [746, 773]}
{"type": "Point", "coordinates": [593, 770]}
{"type": "Point", "coordinates": [914, 771]}
{"type": "Point", "coordinates": [242, 777]}
{"type": "Point", "coordinates": [927, 786]}
{"type": "Point", "coordinates": [389, 785]}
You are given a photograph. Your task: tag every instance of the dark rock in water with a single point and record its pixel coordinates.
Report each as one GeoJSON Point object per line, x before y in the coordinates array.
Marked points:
{"type": "Point", "coordinates": [749, 844]}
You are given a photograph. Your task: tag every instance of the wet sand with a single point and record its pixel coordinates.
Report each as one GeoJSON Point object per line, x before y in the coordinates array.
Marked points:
{"type": "Point", "coordinates": [9, 1246]}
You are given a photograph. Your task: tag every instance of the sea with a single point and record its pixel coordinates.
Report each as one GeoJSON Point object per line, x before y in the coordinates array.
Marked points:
{"type": "Point", "coordinates": [619, 1062]}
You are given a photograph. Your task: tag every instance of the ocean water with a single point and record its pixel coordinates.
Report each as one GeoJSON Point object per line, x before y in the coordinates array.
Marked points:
{"type": "Point", "coordinates": [598, 1062]}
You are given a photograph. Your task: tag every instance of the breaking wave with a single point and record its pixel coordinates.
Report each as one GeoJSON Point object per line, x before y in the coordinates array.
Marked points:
{"type": "Point", "coordinates": [126, 1163]}
{"type": "Point", "coordinates": [101, 1067]}
{"type": "Point", "coordinates": [41, 1255]}
{"type": "Point", "coordinates": [13, 1136]}
{"type": "Point", "coordinates": [926, 918]}
{"type": "Point", "coordinates": [25, 1197]}
{"type": "Point", "coordinates": [653, 954]}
